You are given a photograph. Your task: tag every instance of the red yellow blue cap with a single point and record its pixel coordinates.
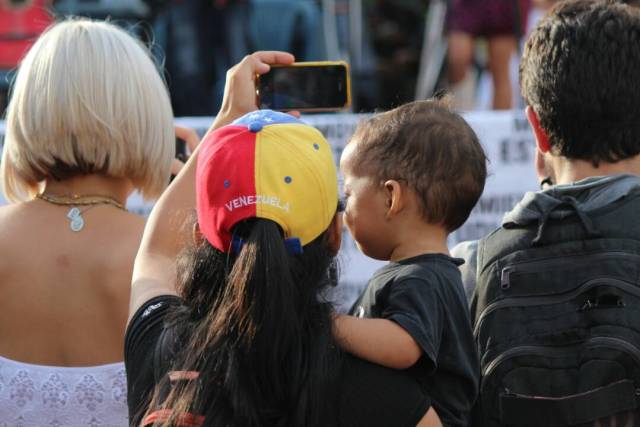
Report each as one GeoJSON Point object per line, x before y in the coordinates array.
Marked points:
{"type": "Point", "coordinates": [266, 165]}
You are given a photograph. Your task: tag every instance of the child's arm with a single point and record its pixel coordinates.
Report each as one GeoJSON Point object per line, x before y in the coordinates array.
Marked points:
{"type": "Point", "coordinates": [379, 341]}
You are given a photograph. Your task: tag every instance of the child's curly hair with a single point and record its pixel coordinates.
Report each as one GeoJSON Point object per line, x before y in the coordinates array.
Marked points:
{"type": "Point", "coordinates": [431, 148]}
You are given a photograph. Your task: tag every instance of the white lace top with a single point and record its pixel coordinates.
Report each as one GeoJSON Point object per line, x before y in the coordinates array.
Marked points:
{"type": "Point", "coordinates": [51, 396]}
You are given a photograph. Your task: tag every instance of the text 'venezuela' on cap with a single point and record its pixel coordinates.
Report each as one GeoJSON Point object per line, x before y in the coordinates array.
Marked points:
{"type": "Point", "coordinates": [266, 165]}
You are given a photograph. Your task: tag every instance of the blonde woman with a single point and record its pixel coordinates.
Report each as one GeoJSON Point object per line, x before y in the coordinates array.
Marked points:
{"type": "Point", "coordinates": [88, 123]}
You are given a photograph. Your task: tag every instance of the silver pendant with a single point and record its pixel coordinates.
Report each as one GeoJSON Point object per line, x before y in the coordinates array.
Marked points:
{"type": "Point", "coordinates": [75, 216]}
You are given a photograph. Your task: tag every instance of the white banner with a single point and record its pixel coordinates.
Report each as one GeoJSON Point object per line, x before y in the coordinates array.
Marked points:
{"type": "Point", "coordinates": [508, 143]}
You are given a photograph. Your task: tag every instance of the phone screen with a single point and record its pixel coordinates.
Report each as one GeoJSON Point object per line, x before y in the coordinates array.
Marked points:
{"type": "Point", "coordinates": [313, 87]}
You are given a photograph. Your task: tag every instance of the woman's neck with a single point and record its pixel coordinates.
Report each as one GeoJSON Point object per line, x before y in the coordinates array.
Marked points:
{"type": "Point", "coordinates": [90, 185]}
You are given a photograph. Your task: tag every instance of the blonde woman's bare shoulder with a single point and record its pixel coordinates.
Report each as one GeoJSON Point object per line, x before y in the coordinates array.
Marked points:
{"type": "Point", "coordinates": [12, 216]}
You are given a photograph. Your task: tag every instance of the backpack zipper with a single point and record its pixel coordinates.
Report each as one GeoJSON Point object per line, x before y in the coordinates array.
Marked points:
{"type": "Point", "coordinates": [531, 266]}
{"type": "Point", "coordinates": [611, 342]}
{"type": "Point", "coordinates": [552, 299]}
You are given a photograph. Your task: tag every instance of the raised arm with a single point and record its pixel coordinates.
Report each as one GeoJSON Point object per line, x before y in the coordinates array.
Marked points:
{"type": "Point", "coordinates": [379, 341]}
{"type": "Point", "coordinates": [154, 271]}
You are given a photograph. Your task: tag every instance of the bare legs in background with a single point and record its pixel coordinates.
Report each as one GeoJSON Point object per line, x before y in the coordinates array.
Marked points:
{"type": "Point", "coordinates": [460, 58]}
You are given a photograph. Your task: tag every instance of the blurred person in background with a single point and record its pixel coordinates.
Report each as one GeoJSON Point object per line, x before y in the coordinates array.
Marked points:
{"type": "Point", "coordinates": [200, 39]}
{"type": "Point", "coordinates": [502, 23]}
{"type": "Point", "coordinates": [394, 28]}
{"type": "Point", "coordinates": [21, 23]}
{"type": "Point", "coordinates": [89, 122]}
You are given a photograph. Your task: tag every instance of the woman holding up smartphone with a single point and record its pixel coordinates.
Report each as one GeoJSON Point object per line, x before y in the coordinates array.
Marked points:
{"type": "Point", "coordinates": [236, 332]}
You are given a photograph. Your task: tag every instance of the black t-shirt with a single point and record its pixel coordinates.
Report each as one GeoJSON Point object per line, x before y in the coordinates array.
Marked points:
{"type": "Point", "coordinates": [425, 296]}
{"type": "Point", "coordinates": [370, 395]}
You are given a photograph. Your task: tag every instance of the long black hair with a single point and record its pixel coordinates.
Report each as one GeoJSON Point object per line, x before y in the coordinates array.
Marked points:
{"type": "Point", "coordinates": [258, 333]}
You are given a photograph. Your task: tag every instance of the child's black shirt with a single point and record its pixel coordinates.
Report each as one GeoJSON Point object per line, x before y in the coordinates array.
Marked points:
{"type": "Point", "coordinates": [425, 296]}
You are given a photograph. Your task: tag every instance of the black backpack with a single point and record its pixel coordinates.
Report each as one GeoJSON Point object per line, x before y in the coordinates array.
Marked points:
{"type": "Point", "coordinates": [557, 320]}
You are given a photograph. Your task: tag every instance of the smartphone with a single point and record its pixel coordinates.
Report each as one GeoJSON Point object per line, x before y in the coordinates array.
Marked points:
{"type": "Point", "coordinates": [305, 86]}
{"type": "Point", "coordinates": [181, 150]}
{"type": "Point", "coordinates": [181, 153]}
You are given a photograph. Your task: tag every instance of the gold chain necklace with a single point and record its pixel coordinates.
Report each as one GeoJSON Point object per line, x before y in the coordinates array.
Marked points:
{"type": "Point", "coordinates": [75, 214]}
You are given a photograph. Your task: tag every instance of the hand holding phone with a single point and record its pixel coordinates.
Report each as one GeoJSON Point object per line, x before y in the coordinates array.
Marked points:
{"type": "Point", "coordinates": [305, 86]}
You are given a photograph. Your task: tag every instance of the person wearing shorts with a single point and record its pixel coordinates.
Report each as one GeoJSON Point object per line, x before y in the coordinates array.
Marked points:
{"type": "Point", "coordinates": [501, 22]}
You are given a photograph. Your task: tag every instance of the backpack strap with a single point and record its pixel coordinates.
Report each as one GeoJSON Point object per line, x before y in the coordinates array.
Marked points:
{"type": "Point", "coordinates": [477, 303]}
{"type": "Point", "coordinates": [579, 408]}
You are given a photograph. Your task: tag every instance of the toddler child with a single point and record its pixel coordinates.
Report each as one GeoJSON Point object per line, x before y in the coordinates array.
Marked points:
{"type": "Point", "coordinates": [412, 176]}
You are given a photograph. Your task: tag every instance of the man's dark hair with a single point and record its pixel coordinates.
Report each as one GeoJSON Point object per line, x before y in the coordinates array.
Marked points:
{"type": "Point", "coordinates": [579, 73]}
{"type": "Point", "coordinates": [433, 150]}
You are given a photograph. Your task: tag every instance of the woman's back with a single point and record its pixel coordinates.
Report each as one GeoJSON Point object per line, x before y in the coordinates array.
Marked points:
{"type": "Point", "coordinates": [364, 394]}
{"type": "Point", "coordinates": [63, 313]}
{"type": "Point", "coordinates": [65, 293]}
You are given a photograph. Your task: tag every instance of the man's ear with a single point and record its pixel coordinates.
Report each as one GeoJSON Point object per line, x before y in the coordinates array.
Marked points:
{"type": "Point", "coordinates": [542, 139]}
{"type": "Point", "coordinates": [334, 233]}
{"type": "Point", "coordinates": [395, 196]}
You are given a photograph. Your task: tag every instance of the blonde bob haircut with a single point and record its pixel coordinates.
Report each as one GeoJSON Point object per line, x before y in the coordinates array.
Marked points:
{"type": "Point", "coordinates": [87, 99]}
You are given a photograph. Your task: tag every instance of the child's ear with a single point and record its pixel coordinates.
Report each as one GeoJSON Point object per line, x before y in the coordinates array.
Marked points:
{"type": "Point", "coordinates": [394, 197]}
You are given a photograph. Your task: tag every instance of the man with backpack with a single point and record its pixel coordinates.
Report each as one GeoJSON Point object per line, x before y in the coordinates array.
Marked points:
{"type": "Point", "coordinates": [556, 301]}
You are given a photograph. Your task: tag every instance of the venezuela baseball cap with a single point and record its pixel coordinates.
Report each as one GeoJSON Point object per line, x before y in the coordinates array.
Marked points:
{"type": "Point", "coordinates": [266, 165]}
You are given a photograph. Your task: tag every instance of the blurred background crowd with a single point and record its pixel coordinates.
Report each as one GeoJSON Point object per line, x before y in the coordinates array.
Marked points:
{"type": "Point", "coordinates": [399, 50]}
